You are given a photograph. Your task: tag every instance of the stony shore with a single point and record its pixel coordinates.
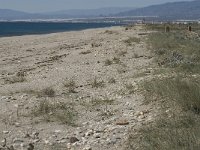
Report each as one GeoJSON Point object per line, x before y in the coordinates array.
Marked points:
{"type": "Point", "coordinates": [73, 90]}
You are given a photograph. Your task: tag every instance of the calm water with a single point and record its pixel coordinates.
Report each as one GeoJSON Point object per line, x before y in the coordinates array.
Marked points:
{"type": "Point", "coordinates": [24, 28]}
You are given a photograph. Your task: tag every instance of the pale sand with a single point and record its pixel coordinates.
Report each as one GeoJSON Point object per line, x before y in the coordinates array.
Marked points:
{"type": "Point", "coordinates": [47, 61]}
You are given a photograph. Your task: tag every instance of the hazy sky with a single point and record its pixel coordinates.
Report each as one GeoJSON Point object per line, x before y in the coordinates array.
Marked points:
{"type": "Point", "coordinates": [53, 5]}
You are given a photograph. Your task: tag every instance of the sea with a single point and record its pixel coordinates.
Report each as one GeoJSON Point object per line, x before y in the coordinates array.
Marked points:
{"type": "Point", "coordinates": [28, 28]}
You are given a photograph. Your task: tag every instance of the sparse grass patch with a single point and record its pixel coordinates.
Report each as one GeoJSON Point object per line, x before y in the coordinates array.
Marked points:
{"type": "Point", "coordinates": [97, 83]}
{"type": "Point", "coordinates": [135, 55]}
{"type": "Point", "coordinates": [100, 102]}
{"type": "Point", "coordinates": [55, 111]}
{"type": "Point", "coordinates": [108, 62]}
{"type": "Point", "coordinates": [47, 92]}
{"type": "Point", "coordinates": [122, 69]}
{"type": "Point", "coordinates": [110, 32]}
{"type": "Point", "coordinates": [132, 40]}
{"type": "Point", "coordinates": [121, 53]}
{"type": "Point", "coordinates": [112, 80]}
{"type": "Point", "coordinates": [70, 84]}
{"type": "Point", "coordinates": [130, 88]}
{"type": "Point", "coordinates": [116, 60]}
{"type": "Point", "coordinates": [96, 45]}
{"type": "Point", "coordinates": [17, 78]}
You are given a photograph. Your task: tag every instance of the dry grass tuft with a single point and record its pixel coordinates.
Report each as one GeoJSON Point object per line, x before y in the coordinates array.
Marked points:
{"type": "Point", "coordinates": [55, 111]}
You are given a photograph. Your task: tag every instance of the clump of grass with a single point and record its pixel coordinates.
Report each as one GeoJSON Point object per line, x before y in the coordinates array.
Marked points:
{"type": "Point", "coordinates": [116, 60]}
{"type": "Point", "coordinates": [110, 32]}
{"type": "Point", "coordinates": [70, 84]}
{"type": "Point", "coordinates": [55, 112]}
{"type": "Point", "coordinates": [96, 45]}
{"type": "Point", "coordinates": [132, 40]}
{"type": "Point", "coordinates": [17, 78]}
{"type": "Point", "coordinates": [112, 80]}
{"type": "Point", "coordinates": [108, 62]}
{"type": "Point", "coordinates": [135, 55]}
{"type": "Point", "coordinates": [85, 52]}
{"type": "Point", "coordinates": [48, 92]}
{"type": "Point", "coordinates": [97, 83]}
{"type": "Point", "coordinates": [121, 53]}
{"type": "Point", "coordinates": [122, 69]}
{"type": "Point", "coordinates": [130, 88]}
{"type": "Point", "coordinates": [100, 102]}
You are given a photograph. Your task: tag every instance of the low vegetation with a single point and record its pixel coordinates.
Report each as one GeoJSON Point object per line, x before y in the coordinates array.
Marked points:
{"type": "Point", "coordinates": [70, 85]}
{"type": "Point", "coordinates": [115, 60]}
{"type": "Point", "coordinates": [17, 78]}
{"type": "Point", "coordinates": [132, 40]}
{"type": "Point", "coordinates": [97, 83]}
{"type": "Point", "coordinates": [176, 90]}
{"type": "Point", "coordinates": [55, 111]}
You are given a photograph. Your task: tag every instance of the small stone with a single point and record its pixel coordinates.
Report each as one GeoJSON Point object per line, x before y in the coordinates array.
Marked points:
{"type": "Point", "coordinates": [6, 132]}
{"type": "Point", "coordinates": [17, 124]}
{"type": "Point", "coordinates": [68, 145]}
{"type": "Point", "coordinates": [87, 148]}
{"type": "Point", "coordinates": [89, 133]}
{"type": "Point", "coordinates": [57, 131]}
{"type": "Point", "coordinates": [46, 142]}
{"type": "Point", "coordinates": [97, 135]}
{"type": "Point", "coordinates": [27, 135]}
{"type": "Point", "coordinates": [122, 122]}
{"type": "Point", "coordinates": [73, 139]}
{"type": "Point", "coordinates": [18, 141]}
{"type": "Point", "coordinates": [36, 140]}
{"type": "Point", "coordinates": [141, 117]}
{"type": "Point", "coordinates": [35, 135]}
{"type": "Point", "coordinates": [30, 146]}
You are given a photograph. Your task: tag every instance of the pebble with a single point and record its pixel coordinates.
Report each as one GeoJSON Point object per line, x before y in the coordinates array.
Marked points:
{"type": "Point", "coordinates": [16, 140]}
{"type": "Point", "coordinates": [87, 148]}
{"type": "Point", "coordinates": [89, 133]}
{"type": "Point", "coordinates": [73, 139]}
{"type": "Point", "coordinates": [97, 135]}
{"type": "Point", "coordinates": [6, 132]}
{"type": "Point", "coordinates": [17, 124]}
{"type": "Point", "coordinates": [68, 145]}
{"type": "Point", "coordinates": [57, 131]}
{"type": "Point", "coordinates": [122, 122]}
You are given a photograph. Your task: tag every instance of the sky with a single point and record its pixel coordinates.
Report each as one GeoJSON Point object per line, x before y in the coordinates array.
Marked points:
{"type": "Point", "coordinates": [54, 5]}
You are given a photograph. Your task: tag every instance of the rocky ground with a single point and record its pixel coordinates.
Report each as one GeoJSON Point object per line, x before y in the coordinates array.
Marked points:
{"type": "Point", "coordinates": [73, 90]}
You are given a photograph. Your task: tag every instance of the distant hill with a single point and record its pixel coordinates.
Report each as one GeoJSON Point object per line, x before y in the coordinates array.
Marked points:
{"type": "Point", "coordinates": [6, 14]}
{"type": "Point", "coordinates": [12, 14]}
{"type": "Point", "coordinates": [77, 13]}
{"type": "Point", "coordinates": [175, 10]}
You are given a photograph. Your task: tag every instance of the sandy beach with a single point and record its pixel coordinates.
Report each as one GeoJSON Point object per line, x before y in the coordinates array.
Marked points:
{"type": "Point", "coordinates": [93, 74]}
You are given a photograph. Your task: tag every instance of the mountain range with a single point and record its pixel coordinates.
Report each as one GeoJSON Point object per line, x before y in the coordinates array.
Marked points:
{"type": "Point", "coordinates": [168, 11]}
{"type": "Point", "coordinates": [7, 14]}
